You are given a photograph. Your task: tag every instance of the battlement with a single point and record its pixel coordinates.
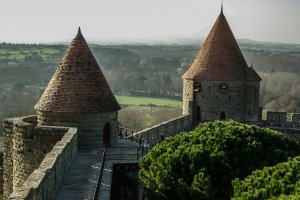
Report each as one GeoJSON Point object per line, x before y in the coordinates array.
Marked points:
{"type": "Point", "coordinates": [26, 146]}
{"type": "Point", "coordinates": [280, 119]}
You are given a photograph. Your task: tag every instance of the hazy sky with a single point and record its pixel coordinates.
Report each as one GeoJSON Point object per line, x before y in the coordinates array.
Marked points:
{"type": "Point", "coordinates": [57, 20]}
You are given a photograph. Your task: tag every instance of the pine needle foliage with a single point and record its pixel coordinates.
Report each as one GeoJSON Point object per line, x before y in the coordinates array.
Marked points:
{"type": "Point", "coordinates": [201, 164]}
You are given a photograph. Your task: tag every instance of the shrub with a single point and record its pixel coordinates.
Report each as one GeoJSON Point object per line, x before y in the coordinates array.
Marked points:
{"type": "Point", "coordinates": [202, 163]}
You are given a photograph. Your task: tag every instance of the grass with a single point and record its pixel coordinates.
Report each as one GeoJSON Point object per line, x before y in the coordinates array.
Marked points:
{"type": "Point", "coordinates": [137, 101]}
{"type": "Point", "coordinates": [141, 117]}
{"type": "Point", "coordinates": [44, 52]}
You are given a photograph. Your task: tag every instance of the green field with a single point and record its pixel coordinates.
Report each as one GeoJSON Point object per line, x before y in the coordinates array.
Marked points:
{"type": "Point", "coordinates": [137, 101]}
{"type": "Point", "coordinates": [21, 53]}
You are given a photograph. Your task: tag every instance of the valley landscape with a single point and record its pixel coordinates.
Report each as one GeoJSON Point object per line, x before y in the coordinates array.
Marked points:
{"type": "Point", "coordinates": [144, 70]}
{"type": "Point", "coordinates": [143, 104]}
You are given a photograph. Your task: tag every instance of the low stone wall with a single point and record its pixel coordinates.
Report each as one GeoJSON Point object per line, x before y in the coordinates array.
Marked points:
{"type": "Point", "coordinates": [155, 134]}
{"type": "Point", "coordinates": [45, 181]}
{"type": "Point", "coordinates": [295, 117]}
{"type": "Point", "coordinates": [277, 117]}
{"type": "Point", "coordinates": [18, 158]}
{"type": "Point", "coordinates": [89, 126]}
{"type": "Point", "coordinates": [126, 187]}
{"type": "Point", "coordinates": [188, 97]}
{"type": "Point", "coordinates": [280, 119]}
{"type": "Point", "coordinates": [25, 146]}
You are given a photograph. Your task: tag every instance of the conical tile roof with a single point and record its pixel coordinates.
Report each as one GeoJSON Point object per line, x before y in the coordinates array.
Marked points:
{"type": "Point", "coordinates": [251, 75]}
{"type": "Point", "coordinates": [78, 85]}
{"type": "Point", "coordinates": [220, 58]}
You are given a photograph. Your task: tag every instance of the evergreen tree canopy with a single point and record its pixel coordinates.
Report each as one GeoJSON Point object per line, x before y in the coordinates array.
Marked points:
{"type": "Point", "coordinates": [201, 164]}
{"type": "Point", "coordinates": [279, 182]}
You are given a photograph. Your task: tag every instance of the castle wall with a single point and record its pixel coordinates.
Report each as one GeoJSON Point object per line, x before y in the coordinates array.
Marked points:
{"type": "Point", "coordinates": [7, 157]}
{"type": "Point", "coordinates": [25, 146]}
{"type": "Point", "coordinates": [295, 118]}
{"type": "Point", "coordinates": [188, 87]}
{"type": "Point", "coordinates": [45, 182]}
{"type": "Point", "coordinates": [89, 125]}
{"type": "Point", "coordinates": [24, 160]}
{"type": "Point", "coordinates": [277, 118]}
{"type": "Point", "coordinates": [215, 97]}
{"type": "Point", "coordinates": [166, 129]}
{"type": "Point", "coordinates": [125, 182]}
{"type": "Point", "coordinates": [252, 111]}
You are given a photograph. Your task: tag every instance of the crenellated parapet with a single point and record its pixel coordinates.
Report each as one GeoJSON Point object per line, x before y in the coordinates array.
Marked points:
{"type": "Point", "coordinates": [280, 119]}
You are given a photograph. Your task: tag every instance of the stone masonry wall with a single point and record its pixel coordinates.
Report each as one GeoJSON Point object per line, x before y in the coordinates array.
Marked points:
{"type": "Point", "coordinates": [89, 125]}
{"type": "Point", "coordinates": [25, 146]}
{"type": "Point", "coordinates": [153, 135]}
{"type": "Point", "coordinates": [252, 110]}
{"type": "Point", "coordinates": [24, 160]}
{"type": "Point", "coordinates": [213, 99]}
{"type": "Point", "coordinates": [7, 157]}
{"type": "Point", "coordinates": [188, 91]}
{"type": "Point", "coordinates": [45, 182]}
{"type": "Point", "coordinates": [295, 118]}
{"type": "Point", "coordinates": [277, 118]}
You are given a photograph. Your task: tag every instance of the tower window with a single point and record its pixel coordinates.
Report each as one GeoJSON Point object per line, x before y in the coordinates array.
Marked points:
{"type": "Point", "coordinates": [255, 94]}
{"type": "Point", "coordinates": [223, 87]}
{"type": "Point", "coordinates": [249, 113]}
{"type": "Point", "coordinates": [229, 97]}
{"type": "Point", "coordinates": [197, 87]}
{"type": "Point", "coordinates": [223, 115]}
{"type": "Point", "coordinates": [203, 97]}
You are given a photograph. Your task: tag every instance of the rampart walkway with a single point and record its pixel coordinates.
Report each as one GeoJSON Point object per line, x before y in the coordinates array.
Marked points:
{"type": "Point", "coordinates": [81, 180]}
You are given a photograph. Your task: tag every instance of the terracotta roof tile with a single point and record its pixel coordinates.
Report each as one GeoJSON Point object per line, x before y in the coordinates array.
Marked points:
{"type": "Point", "coordinates": [251, 75]}
{"type": "Point", "coordinates": [78, 85]}
{"type": "Point", "coordinates": [220, 58]}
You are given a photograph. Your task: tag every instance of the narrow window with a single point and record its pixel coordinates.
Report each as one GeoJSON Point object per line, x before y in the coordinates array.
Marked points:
{"type": "Point", "coordinates": [223, 87]}
{"type": "Point", "coordinates": [198, 113]}
{"type": "Point", "coordinates": [197, 87]}
{"type": "Point", "coordinates": [222, 115]}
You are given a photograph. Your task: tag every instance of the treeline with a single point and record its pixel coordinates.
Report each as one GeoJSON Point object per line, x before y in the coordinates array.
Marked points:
{"type": "Point", "coordinates": [280, 91]}
{"type": "Point", "coordinates": [154, 70]}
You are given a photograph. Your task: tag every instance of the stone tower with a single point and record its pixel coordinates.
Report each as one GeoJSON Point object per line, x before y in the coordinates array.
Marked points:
{"type": "Point", "coordinates": [78, 95]}
{"type": "Point", "coordinates": [219, 85]}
